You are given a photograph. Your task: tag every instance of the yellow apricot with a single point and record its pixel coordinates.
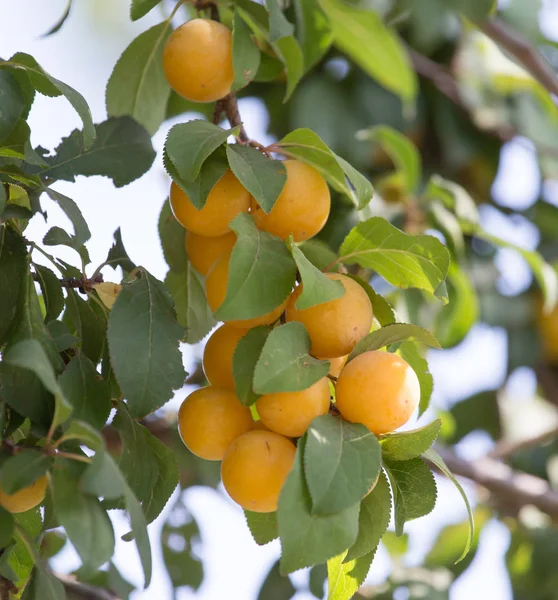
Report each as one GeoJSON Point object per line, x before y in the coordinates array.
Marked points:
{"type": "Point", "coordinates": [290, 413]}
{"type": "Point", "coordinates": [335, 327]}
{"type": "Point", "coordinates": [227, 199]}
{"type": "Point", "coordinates": [216, 289]}
{"type": "Point", "coordinates": [379, 390]}
{"type": "Point", "coordinates": [26, 498]}
{"type": "Point", "coordinates": [302, 207]}
{"type": "Point", "coordinates": [210, 419]}
{"type": "Point", "coordinates": [204, 251]}
{"type": "Point", "coordinates": [218, 355]}
{"type": "Point", "coordinates": [337, 365]}
{"type": "Point", "coordinates": [197, 60]}
{"type": "Point", "coordinates": [255, 467]}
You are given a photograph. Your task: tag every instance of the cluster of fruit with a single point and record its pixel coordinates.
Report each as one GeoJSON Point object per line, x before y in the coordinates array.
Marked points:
{"type": "Point", "coordinates": [376, 388]}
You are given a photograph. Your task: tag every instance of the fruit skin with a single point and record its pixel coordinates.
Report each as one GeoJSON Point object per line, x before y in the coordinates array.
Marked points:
{"type": "Point", "coordinates": [290, 413]}
{"type": "Point", "coordinates": [379, 390]}
{"type": "Point", "coordinates": [255, 467]}
{"type": "Point", "coordinates": [218, 355]}
{"type": "Point", "coordinates": [210, 419]}
{"type": "Point", "coordinates": [227, 199]}
{"type": "Point", "coordinates": [26, 498]}
{"type": "Point", "coordinates": [302, 207]}
{"type": "Point", "coordinates": [204, 251]}
{"type": "Point", "coordinates": [197, 60]}
{"type": "Point", "coordinates": [337, 365]}
{"type": "Point", "coordinates": [337, 326]}
{"type": "Point", "coordinates": [216, 289]}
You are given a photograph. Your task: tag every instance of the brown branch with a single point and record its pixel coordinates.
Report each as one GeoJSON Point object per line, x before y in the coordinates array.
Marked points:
{"type": "Point", "coordinates": [524, 52]}
{"type": "Point", "coordinates": [230, 108]}
{"type": "Point", "coordinates": [83, 284]}
{"type": "Point", "coordinates": [503, 450]}
{"type": "Point", "coordinates": [76, 590]}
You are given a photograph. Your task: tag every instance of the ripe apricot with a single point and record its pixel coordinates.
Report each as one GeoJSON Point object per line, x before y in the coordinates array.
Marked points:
{"type": "Point", "coordinates": [379, 390]}
{"type": "Point", "coordinates": [255, 467]}
{"type": "Point", "coordinates": [337, 365]}
{"type": "Point", "coordinates": [197, 60]}
{"type": "Point", "coordinates": [227, 199]}
{"type": "Point", "coordinates": [290, 413]}
{"type": "Point", "coordinates": [204, 251]}
{"type": "Point", "coordinates": [218, 355]}
{"type": "Point", "coordinates": [335, 327]}
{"type": "Point", "coordinates": [210, 419]}
{"type": "Point", "coordinates": [302, 208]}
{"type": "Point", "coordinates": [26, 498]}
{"type": "Point", "coordinates": [216, 289]}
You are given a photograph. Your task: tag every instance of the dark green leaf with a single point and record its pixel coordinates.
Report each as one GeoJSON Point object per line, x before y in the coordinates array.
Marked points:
{"type": "Point", "coordinates": [345, 578]}
{"type": "Point", "coordinates": [143, 337]}
{"type": "Point", "coordinates": [263, 177]}
{"type": "Point", "coordinates": [57, 236]}
{"type": "Point", "coordinates": [12, 104]}
{"type": "Point", "coordinates": [122, 151]}
{"type": "Point", "coordinates": [58, 25]}
{"type": "Point", "coordinates": [171, 234]}
{"type": "Point", "coordinates": [480, 411]}
{"type": "Point", "coordinates": [13, 268]}
{"type": "Point", "coordinates": [23, 469]}
{"type": "Point", "coordinates": [245, 358]}
{"type": "Point", "coordinates": [261, 272]}
{"type": "Point", "coordinates": [117, 256]}
{"type": "Point", "coordinates": [318, 574]}
{"type": "Point", "coordinates": [6, 528]}
{"type": "Point", "coordinates": [263, 526]}
{"type": "Point", "coordinates": [313, 31]}
{"type": "Point", "coordinates": [139, 8]}
{"type": "Point", "coordinates": [81, 230]}
{"type": "Point", "coordinates": [341, 463]}
{"type": "Point", "coordinates": [405, 445]}
{"type": "Point", "coordinates": [51, 290]}
{"type": "Point", "coordinates": [52, 543]}
{"type": "Point", "coordinates": [276, 586]}
{"type": "Point", "coordinates": [476, 10]}
{"type": "Point", "coordinates": [318, 253]}
{"type": "Point", "coordinates": [89, 324]}
{"type": "Point", "coordinates": [410, 352]}
{"type": "Point", "coordinates": [284, 364]}
{"type": "Point", "coordinates": [137, 86]}
{"type": "Point", "coordinates": [87, 435]}
{"type": "Point", "coordinates": [382, 309]}
{"type": "Point", "coordinates": [43, 586]}
{"type": "Point", "coordinates": [245, 53]}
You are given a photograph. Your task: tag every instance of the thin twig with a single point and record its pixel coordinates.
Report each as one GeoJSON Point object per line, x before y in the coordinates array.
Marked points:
{"type": "Point", "coordinates": [83, 284]}
{"type": "Point", "coordinates": [230, 108]}
{"type": "Point", "coordinates": [503, 450]}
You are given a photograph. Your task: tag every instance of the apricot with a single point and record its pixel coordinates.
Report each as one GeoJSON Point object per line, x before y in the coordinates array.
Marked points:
{"type": "Point", "coordinates": [204, 251]}
{"type": "Point", "coordinates": [337, 365]}
{"type": "Point", "coordinates": [210, 419]}
{"type": "Point", "coordinates": [379, 390]}
{"type": "Point", "coordinates": [197, 60]}
{"type": "Point", "coordinates": [218, 355]}
{"type": "Point", "coordinates": [302, 208]}
{"type": "Point", "coordinates": [290, 413]}
{"type": "Point", "coordinates": [227, 199]}
{"type": "Point", "coordinates": [216, 289]}
{"type": "Point", "coordinates": [335, 327]}
{"type": "Point", "coordinates": [255, 467]}
{"type": "Point", "coordinates": [26, 498]}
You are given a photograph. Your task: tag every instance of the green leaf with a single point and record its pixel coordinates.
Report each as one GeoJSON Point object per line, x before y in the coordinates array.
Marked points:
{"type": "Point", "coordinates": [345, 578]}
{"type": "Point", "coordinates": [400, 149]}
{"type": "Point", "coordinates": [23, 469]}
{"type": "Point", "coordinates": [373, 520]}
{"type": "Point", "coordinates": [374, 47]}
{"type": "Point", "coordinates": [58, 25]}
{"type": "Point", "coordinates": [51, 543]}
{"type": "Point", "coordinates": [190, 303]}
{"type": "Point", "coordinates": [480, 411]}
{"type": "Point", "coordinates": [476, 10]}
{"type": "Point", "coordinates": [12, 104]}
{"type": "Point", "coordinates": [405, 261]}
{"type": "Point", "coordinates": [313, 31]}
{"type": "Point", "coordinates": [308, 539]}
{"type": "Point", "coordinates": [342, 461]}
{"type": "Point", "coordinates": [143, 338]}
{"type": "Point", "coordinates": [51, 290]}
{"type": "Point", "coordinates": [261, 272]}
{"type": "Point", "coordinates": [453, 197]}
{"type": "Point", "coordinates": [137, 86]}
{"type": "Point", "coordinates": [410, 352]}
{"type": "Point", "coordinates": [43, 585]}
{"type": "Point", "coordinates": [284, 364]}
{"type": "Point", "coordinates": [49, 86]}
{"type": "Point", "coordinates": [82, 516]}
{"type": "Point", "coordinates": [245, 358]}
{"type": "Point", "coordinates": [437, 460]}
{"type": "Point", "coordinates": [150, 467]}
{"type": "Point", "coordinates": [189, 145]}
{"type": "Point", "coordinates": [414, 490]}
{"type": "Point", "coordinates": [405, 445]}
{"type": "Point", "coordinates": [318, 574]}
{"type": "Point", "coordinates": [122, 151]}
{"type": "Point", "coordinates": [392, 334]}
{"type": "Point", "coordinates": [57, 236]}
{"type": "Point", "coordinates": [308, 147]}
{"type": "Point", "coordinates": [117, 256]}
{"type": "Point", "coordinates": [263, 177]}
{"type": "Point", "coordinates": [87, 391]}
{"type": "Point", "coordinates": [139, 8]}
{"type": "Point", "coordinates": [263, 526]}
{"type": "Point", "coordinates": [382, 309]}
{"type": "Point", "coordinates": [285, 45]}
{"type": "Point", "coordinates": [6, 528]}
{"type": "Point", "coordinates": [245, 54]}
{"type": "Point", "coordinates": [13, 269]}
{"type": "Point", "coordinates": [171, 234]}
{"type": "Point", "coordinates": [318, 253]}
{"type": "Point", "coordinates": [276, 586]}
{"type": "Point", "coordinates": [89, 324]}
{"type": "Point", "coordinates": [317, 287]}
{"type": "Point", "coordinates": [85, 433]}
{"type": "Point", "coordinates": [81, 229]}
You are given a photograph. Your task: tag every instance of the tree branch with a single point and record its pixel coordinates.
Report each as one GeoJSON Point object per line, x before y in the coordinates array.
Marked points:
{"type": "Point", "coordinates": [523, 51]}
{"type": "Point", "coordinates": [83, 284]}
{"type": "Point", "coordinates": [75, 590]}
{"type": "Point", "coordinates": [503, 450]}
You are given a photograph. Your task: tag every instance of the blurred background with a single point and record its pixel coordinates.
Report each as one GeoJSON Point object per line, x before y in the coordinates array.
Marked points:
{"type": "Point", "coordinates": [494, 385]}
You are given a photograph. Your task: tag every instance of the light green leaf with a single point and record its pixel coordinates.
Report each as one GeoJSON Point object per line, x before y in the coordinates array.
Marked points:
{"type": "Point", "coordinates": [245, 357]}
{"type": "Point", "coordinates": [345, 578]}
{"type": "Point", "coordinates": [23, 469]}
{"type": "Point", "coordinates": [245, 54]}
{"type": "Point", "coordinates": [51, 291]}
{"type": "Point", "coordinates": [410, 352]}
{"type": "Point", "coordinates": [405, 445]}
{"type": "Point", "coordinates": [342, 461]}
{"type": "Point", "coordinates": [263, 526]}
{"type": "Point", "coordinates": [453, 197]}
{"type": "Point", "coordinates": [318, 253]}
{"type": "Point", "coordinates": [313, 31]}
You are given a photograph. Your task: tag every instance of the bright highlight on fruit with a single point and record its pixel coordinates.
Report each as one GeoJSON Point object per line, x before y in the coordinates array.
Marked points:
{"type": "Point", "coordinates": [26, 498]}
{"type": "Point", "coordinates": [218, 355]}
{"type": "Point", "coordinates": [204, 251]}
{"type": "Point", "coordinates": [379, 390]}
{"type": "Point", "coordinates": [255, 467]}
{"type": "Point", "coordinates": [197, 60]}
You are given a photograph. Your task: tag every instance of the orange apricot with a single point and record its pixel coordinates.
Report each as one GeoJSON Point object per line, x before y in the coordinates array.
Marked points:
{"type": "Point", "coordinates": [218, 355]}
{"type": "Point", "coordinates": [255, 467]}
{"type": "Point", "coordinates": [26, 498]}
{"type": "Point", "coordinates": [210, 419]}
{"type": "Point", "coordinates": [337, 365]}
{"type": "Point", "coordinates": [379, 390]}
{"type": "Point", "coordinates": [204, 251]}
